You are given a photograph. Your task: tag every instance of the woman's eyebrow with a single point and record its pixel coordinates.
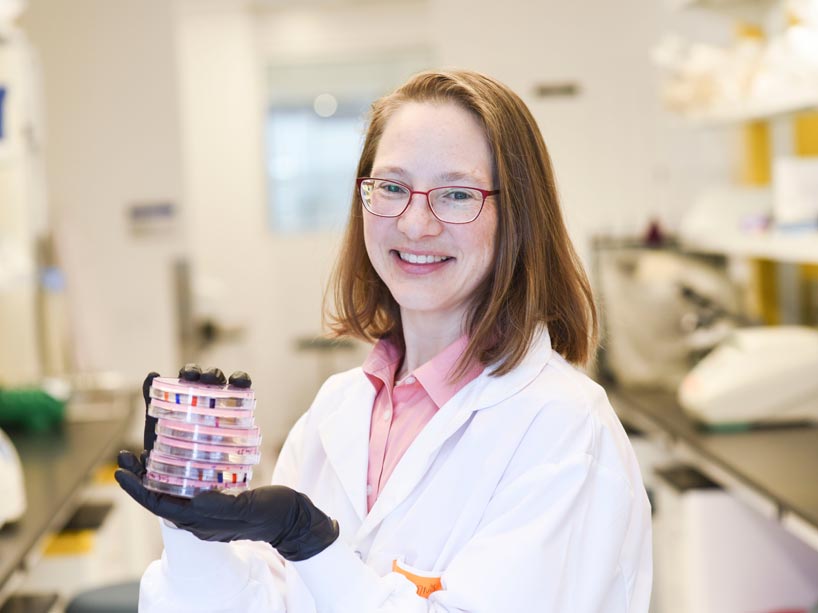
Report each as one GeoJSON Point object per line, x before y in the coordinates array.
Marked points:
{"type": "Point", "coordinates": [389, 170]}
{"type": "Point", "coordinates": [459, 176]}
{"type": "Point", "coordinates": [450, 177]}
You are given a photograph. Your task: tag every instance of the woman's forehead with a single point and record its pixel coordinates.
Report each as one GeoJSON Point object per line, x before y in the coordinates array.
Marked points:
{"type": "Point", "coordinates": [440, 141]}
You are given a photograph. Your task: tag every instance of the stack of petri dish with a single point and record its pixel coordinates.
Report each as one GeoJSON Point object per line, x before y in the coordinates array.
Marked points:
{"type": "Point", "coordinates": [206, 438]}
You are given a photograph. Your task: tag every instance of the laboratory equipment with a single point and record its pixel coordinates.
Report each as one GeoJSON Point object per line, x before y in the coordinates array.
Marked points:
{"type": "Point", "coordinates": [217, 435]}
{"type": "Point", "coordinates": [201, 395]}
{"type": "Point", "coordinates": [202, 471]}
{"type": "Point", "coordinates": [715, 554]}
{"type": "Point", "coordinates": [206, 438]}
{"type": "Point", "coordinates": [13, 500]}
{"type": "Point", "coordinates": [652, 327]}
{"type": "Point", "coordinates": [756, 375]}
{"type": "Point", "coordinates": [186, 488]}
{"type": "Point", "coordinates": [207, 453]}
{"type": "Point", "coordinates": [201, 416]}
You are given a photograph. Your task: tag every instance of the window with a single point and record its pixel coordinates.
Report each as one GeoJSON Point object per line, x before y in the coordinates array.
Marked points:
{"type": "Point", "coordinates": [311, 166]}
{"type": "Point", "coordinates": [314, 134]}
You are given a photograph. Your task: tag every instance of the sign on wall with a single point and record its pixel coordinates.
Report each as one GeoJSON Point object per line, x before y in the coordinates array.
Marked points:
{"type": "Point", "coordinates": [2, 113]}
{"type": "Point", "coordinates": [3, 118]}
{"type": "Point", "coordinates": [5, 136]}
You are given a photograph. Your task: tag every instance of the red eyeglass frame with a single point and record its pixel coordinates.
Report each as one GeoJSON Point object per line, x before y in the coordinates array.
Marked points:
{"type": "Point", "coordinates": [483, 192]}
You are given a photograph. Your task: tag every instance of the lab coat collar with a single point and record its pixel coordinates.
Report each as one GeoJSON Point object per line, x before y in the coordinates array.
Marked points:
{"type": "Point", "coordinates": [344, 433]}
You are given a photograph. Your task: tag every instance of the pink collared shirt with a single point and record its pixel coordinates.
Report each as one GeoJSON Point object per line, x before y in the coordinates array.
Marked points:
{"type": "Point", "coordinates": [403, 408]}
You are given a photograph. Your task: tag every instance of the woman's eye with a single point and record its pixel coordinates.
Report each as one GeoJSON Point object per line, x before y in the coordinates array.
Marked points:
{"type": "Point", "coordinates": [391, 188]}
{"type": "Point", "coordinates": [457, 194]}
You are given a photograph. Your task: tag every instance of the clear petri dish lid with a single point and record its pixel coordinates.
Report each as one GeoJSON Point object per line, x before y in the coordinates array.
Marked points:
{"type": "Point", "coordinates": [218, 418]}
{"type": "Point", "coordinates": [208, 434]}
{"type": "Point", "coordinates": [190, 393]}
{"type": "Point", "coordinates": [206, 452]}
{"type": "Point", "coordinates": [187, 488]}
{"type": "Point", "coordinates": [167, 459]}
{"type": "Point", "coordinates": [203, 471]}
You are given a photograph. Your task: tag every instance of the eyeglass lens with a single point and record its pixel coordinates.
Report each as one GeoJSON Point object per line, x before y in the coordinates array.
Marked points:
{"type": "Point", "coordinates": [450, 204]}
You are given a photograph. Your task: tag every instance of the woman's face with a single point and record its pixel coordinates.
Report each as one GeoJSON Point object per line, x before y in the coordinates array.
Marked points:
{"type": "Point", "coordinates": [428, 145]}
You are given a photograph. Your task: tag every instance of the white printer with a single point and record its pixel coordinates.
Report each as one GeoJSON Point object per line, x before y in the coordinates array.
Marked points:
{"type": "Point", "coordinates": [756, 375]}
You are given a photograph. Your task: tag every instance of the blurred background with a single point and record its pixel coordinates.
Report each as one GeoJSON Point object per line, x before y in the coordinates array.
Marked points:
{"type": "Point", "coordinates": [175, 176]}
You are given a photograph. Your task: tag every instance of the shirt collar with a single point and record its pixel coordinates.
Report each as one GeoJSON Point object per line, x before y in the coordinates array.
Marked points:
{"type": "Point", "coordinates": [382, 364]}
{"type": "Point", "coordinates": [434, 374]}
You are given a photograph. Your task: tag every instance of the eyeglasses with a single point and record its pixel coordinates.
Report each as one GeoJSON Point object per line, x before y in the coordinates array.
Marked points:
{"type": "Point", "coordinates": [450, 204]}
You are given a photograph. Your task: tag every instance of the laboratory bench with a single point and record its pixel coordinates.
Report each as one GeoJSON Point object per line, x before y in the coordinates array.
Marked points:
{"type": "Point", "coordinates": [772, 469]}
{"type": "Point", "coordinates": [56, 466]}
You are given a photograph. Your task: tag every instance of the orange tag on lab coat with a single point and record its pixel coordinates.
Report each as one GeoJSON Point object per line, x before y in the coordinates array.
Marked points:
{"type": "Point", "coordinates": [425, 582]}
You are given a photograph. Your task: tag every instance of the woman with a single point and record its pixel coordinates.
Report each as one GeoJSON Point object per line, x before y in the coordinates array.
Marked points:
{"type": "Point", "coordinates": [467, 466]}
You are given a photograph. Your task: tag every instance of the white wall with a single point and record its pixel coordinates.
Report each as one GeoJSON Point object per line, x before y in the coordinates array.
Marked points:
{"type": "Point", "coordinates": [325, 32]}
{"type": "Point", "coordinates": [112, 140]}
{"type": "Point", "coordinates": [20, 211]}
{"type": "Point", "coordinates": [149, 99]}
{"type": "Point", "coordinates": [606, 144]}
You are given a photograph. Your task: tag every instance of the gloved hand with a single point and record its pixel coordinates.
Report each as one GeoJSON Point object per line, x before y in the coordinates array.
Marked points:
{"type": "Point", "coordinates": [276, 514]}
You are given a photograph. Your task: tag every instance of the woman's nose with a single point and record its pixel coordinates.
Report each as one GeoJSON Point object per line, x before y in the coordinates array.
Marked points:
{"type": "Point", "coordinates": [418, 220]}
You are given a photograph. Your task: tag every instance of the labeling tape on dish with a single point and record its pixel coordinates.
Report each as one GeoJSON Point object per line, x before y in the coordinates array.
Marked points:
{"type": "Point", "coordinates": [427, 583]}
{"type": "Point", "coordinates": [197, 394]}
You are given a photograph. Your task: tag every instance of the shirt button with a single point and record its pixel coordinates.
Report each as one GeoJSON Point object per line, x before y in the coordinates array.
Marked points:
{"type": "Point", "coordinates": [387, 416]}
{"type": "Point", "coordinates": [409, 380]}
{"type": "Point", "coordinates": [368, 488]}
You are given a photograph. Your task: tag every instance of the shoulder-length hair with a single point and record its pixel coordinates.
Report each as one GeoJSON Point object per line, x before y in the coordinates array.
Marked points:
{"type": "Point", "coordinates": [537, 277]}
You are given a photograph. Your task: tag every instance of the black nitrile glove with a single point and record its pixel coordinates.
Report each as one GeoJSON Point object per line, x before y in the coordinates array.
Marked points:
{"type": "Point", "coordinates": [275, 514]}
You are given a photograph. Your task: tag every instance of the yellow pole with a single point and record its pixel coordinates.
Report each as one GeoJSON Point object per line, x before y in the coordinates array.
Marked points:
{"type": "Point", "coordinates": [805, 144]}
{"type": "Point", "coordinates": [756, 167]}
{"type": "Point", "coordinates": [756, 171]}
{"type": "Point", "coordinates": [805, 134]}
{"type": "Point", "coordinates": [809, 295]}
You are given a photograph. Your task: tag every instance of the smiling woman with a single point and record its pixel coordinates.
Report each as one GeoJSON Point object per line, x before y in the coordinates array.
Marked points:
{"type": "Point", "coordinates": [464, 129]}
{"type": "Point", "coordinates": [467, 466]}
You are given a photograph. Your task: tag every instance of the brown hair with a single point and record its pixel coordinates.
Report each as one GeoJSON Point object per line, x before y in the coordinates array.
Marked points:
{"type": "Point", "coordinates": [537, 277]}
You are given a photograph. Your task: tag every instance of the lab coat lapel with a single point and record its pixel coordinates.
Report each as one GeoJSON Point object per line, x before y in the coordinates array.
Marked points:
{"type": "Point", "coordinates": [483, 392]}
{"type": "Point", "coordinates": [418, 458]}
{"type": "Point", "coordinates": [345, 437]}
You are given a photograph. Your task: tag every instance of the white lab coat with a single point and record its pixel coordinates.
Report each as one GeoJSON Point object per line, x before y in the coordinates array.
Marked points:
{"type": "Point", "coordinates": [522, 494]}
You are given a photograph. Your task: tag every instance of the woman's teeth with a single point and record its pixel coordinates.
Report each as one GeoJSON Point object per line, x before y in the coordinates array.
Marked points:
{"type": "Point", "coordinates": [422, 259]}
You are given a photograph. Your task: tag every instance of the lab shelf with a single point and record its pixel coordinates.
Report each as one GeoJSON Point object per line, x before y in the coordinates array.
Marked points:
{"type": "Point", "coordinates": [772, 470]}
{"type": "Point", "coordinates": [754, 110]}
{"type": "Point", "coordinates": [746, 10]}
{"type": "Point", "coordinates": [56, 465]}
{"type": "Point", "coordinates": [718, 5]}
{"type": "Point", "coordinates": [798, 248]}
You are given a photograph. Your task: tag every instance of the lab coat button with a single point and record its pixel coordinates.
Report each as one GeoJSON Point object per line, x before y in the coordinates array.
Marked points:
{"type": "Point", "coordinates": [359, 554]}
